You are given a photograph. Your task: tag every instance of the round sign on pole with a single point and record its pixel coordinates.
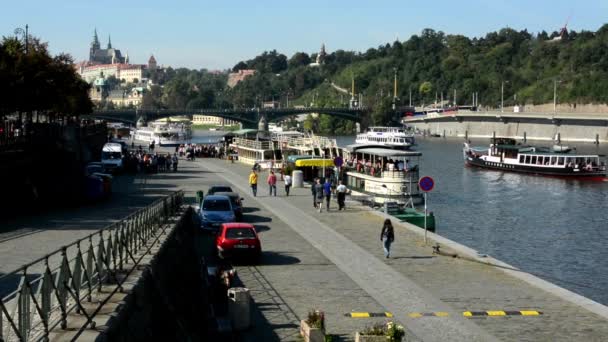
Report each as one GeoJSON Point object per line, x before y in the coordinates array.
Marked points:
{"type": "Point", "coordinates": [338, 161]}
{"type": "Point", "coordinates": [426, 183]}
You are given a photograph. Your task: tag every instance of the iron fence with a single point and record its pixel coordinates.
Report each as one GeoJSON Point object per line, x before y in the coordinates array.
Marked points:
{"type": "Point", "coordinates": [38, 297]}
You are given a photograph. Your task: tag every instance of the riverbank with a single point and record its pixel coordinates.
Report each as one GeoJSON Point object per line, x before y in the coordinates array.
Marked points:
{"type": "Point", "coordinates": [432, 295]}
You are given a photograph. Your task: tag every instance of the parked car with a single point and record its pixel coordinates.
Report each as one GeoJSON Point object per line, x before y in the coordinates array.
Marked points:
{"type": "Point", "coordinates": [238, 240]}
{"type": "Point", "coordinates": [219, 188]}
{"type": "Point", "coordinates": [96, 176]}
{"type": "Point", "coordinates": [111, 157]}
{"type": "Point", "coordinates": [215, 211]}
{"type": "Point", "coordinates": [237, 204]}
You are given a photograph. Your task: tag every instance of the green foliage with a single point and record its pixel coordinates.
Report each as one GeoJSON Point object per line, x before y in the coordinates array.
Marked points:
{"type": "Point", "coordinates": [36, 81]}
{"type": "Point", "coordinates": [316, 319]}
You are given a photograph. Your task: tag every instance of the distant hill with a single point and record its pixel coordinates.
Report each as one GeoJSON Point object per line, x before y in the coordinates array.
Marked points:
{"type": "Point", "coordinates": [428, 65]}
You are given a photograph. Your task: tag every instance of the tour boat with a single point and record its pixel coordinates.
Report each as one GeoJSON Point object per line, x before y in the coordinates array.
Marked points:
{"type": "Point", "coordinates": [164, 134]}
{"type": "Point", "coordinates": [388, 137]}
{"type": "Point", "coordinates": [271, 150]}
{"type": "Point", "coordinates": [506, 155]}
{"type": "Point", "coordinates": [383, 174]}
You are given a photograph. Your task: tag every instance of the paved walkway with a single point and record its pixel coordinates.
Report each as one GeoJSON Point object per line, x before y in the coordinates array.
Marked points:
{"type": "Point", "coordinates": [416, 282]}
{"type": "Point", "coordinates": [333, 262]}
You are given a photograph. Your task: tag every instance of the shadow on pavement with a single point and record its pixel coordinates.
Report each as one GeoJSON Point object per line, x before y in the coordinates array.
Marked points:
{"type": "Point", "coordinates": [256, 218]}
{"type": "Point", "coordinates": [250, 209]}
{"type": "Point", "coordinates": [276, 259]}
{"type": "Point", "coordinates": [414, 257]}
{"type": "Point", "coordinates": [261, 228]}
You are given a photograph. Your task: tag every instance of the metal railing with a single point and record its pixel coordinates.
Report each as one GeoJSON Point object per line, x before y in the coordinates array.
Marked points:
{"type": "Point", "coordinates": [38, 297]}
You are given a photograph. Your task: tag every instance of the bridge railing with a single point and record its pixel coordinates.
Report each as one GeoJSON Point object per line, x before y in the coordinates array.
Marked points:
{"type": "Point", "coordinates": [37, 297]}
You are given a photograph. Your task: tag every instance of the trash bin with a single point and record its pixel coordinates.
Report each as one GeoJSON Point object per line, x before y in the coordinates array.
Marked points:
{"type": "Point", "coordinates": [239, 307]}
{"type": "Point", "coordinates": [199, 197]}
{"type": "Point", "coordinates": [297, 179]}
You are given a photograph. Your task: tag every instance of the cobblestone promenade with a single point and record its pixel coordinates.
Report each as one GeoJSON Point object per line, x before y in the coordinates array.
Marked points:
{"type": "Point", "coordinates": [333, 261]}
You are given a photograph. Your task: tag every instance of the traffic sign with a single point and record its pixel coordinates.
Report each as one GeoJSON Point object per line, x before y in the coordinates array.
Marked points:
{"type": "Point", "coordinates": [426, 183]}
{"type": "Point", "coordinates": [338, 161]}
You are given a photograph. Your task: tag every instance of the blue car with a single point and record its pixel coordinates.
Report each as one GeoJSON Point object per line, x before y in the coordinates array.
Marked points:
{"type": "Point", "coordinates": [215, 210]}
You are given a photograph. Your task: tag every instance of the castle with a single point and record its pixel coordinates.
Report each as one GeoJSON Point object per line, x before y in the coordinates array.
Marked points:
{"type": "Point", "coordinates": [97, 55]}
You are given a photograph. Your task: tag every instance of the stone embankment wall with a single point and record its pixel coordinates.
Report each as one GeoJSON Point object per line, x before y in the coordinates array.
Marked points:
{"type": "Point", "coordinates": [533, 131]}
{"type": "Point", "coordinates": [169, 301]}
{"type": "Point", "coordinates": [562, 108]}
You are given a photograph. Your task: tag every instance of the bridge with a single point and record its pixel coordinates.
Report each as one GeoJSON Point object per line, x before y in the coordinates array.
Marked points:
{"type": "Point", "coordinates": [584, 127]}
{"type": "Point", "coordinates": [248, 117]}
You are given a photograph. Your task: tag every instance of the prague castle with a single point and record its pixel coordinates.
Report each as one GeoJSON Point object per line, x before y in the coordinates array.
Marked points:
{"type": "Point", "coordinates": [97, 55]}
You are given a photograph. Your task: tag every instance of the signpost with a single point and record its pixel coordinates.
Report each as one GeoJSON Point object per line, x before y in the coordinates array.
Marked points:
{"type": "Point", "coordinates": [426, 184]}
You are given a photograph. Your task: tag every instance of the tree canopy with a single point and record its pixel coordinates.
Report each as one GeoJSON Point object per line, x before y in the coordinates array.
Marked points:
{"type": "Point", "coordinates": [36, 81]}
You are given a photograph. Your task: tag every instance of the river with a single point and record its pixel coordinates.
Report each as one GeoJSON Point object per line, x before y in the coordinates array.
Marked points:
{"type": "Point", "coordinates": [553, 228]}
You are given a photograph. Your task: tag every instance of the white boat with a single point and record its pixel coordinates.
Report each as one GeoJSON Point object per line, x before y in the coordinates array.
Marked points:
{"type": "Point", "coordinates": [505, 154]}
{"type": "Point", "coordinates": [164, 134]}
{"type": "Point", "coordinates": [387, 137]}
{"type": "Point", "coordinates": [383, 174]}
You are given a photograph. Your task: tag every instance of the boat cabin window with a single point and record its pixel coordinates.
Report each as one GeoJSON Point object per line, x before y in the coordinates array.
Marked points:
{"type": "Point", "coordinates": [521, 159]}
{"type": "Point", "coordinates": [553, 160]}
{"type": "Point", "coordinates": [528, 159]}
{"type": "Point", "coordinates": [560, 161]}
{"type": "Point", "coordinates": [533, 159]}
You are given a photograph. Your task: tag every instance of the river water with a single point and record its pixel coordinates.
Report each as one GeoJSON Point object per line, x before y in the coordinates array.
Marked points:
{"type": "Point", "coordinates": [554, 228]}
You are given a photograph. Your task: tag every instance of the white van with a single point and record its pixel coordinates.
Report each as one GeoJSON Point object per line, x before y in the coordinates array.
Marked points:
{"type": "Point", "coordinates": [111, 156]}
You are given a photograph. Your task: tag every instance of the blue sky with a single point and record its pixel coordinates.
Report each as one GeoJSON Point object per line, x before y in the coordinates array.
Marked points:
{"type": "Point", "coordinates": [218, 34]}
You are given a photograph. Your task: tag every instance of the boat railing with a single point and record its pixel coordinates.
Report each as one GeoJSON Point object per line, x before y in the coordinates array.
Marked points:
{"type": "Point", "coordinates": [254, 144]}
{"type": "Point", "coordinates": [387, 174]}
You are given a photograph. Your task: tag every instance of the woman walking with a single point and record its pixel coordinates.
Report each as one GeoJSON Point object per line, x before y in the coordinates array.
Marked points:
{"type": "Point", "coordinates": [387, 236]}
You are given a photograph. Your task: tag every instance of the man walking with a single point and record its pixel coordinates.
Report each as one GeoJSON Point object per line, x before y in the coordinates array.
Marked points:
{"type": "Point", "coordinates": [272, 183]}
{"type": "Point", "coordinates": [287, 179]}
{"type": "Point", "coordinates": [313, 190]}
{"type": "Point", "coordinates": [341, 190]}
{"type": "Point", "coordinates": [253, 182]}
{"type": "Point", "coordinates": [327, 192]}
{"type": "Point", "coordinates": [319, 195]}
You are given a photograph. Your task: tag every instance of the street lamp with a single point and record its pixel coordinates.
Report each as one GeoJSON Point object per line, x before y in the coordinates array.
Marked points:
{"type": "Point", "coordinates": [555, 81]}
{"type": "Point", "coordinates": [502, 96]}
{"type": "Point", "coordinates": [20, 31]}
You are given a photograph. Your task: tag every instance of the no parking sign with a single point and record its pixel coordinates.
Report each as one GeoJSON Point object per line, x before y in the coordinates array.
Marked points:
{"type": "Point", "coordinates": [426, 183]}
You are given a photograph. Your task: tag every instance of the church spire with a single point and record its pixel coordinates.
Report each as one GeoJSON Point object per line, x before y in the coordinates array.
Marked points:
{"type": "Point", "coordinates": [95, 43]}
{"type": "Point", "coordinates": [109, 42]}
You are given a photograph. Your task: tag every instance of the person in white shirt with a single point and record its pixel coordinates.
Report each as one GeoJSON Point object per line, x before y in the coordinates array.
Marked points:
{"type": "Point", "coordinates": [287, 180]}
{"type": "Point", "coordinates": [341, 190]}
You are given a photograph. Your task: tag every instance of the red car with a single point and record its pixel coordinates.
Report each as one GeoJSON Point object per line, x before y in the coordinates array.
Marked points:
{"type": "Point", "coordinates": [238, 239]}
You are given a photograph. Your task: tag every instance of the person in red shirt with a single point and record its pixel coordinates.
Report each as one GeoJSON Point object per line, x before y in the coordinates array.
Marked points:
{"type": "Point", "coordinates": [272, 183]}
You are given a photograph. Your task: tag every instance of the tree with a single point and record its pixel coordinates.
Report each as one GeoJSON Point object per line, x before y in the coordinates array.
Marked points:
{"type": "Point", "coordinates": [239, 66]}
{"type": "Point", "coordinates": [299, 59]}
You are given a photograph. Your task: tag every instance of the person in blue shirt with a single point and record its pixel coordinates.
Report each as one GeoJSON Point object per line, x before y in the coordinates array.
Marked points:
{"type": "Point", "coordinates": [327, 192]}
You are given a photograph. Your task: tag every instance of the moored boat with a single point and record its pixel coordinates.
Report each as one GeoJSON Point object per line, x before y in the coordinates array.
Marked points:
{"type": "Point", "coordinates": [506, 155]}
{"type": "Point", "coordinates": [387, 137]}
{"type": "Point", "coordinates": [383, 175]}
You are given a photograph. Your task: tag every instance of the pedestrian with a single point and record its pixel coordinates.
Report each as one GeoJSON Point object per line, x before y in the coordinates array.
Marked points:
{"type": "Point", "coordinates": [253, 182]}
{"type": "Point", "coordinates": [287, 180]}
{"type": "Point", "coordinates": [319, 195]}
{"type": "Point", "coordinates": [272, 183]}
{"type": "Point", "coordinates": [313, 190]}
{"type": "Point", "coordinates": [341, 190]}
{"type": "Point", "coordinates": [327, 192]}
{"type": "Point", "coordinates": [387, 236]}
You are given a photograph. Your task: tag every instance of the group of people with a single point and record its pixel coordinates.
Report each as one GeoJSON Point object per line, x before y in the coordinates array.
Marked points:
{"type": "Point", "coordinates": [150, 162]}
{"type": "Point", "coordinates": [322, 192]}
{"type": "Point", "coordinates": [192, 151]}
{"type": "Point", "coordinates": [366, 165]}
{"type": "Point", "coordinates": [271, 181]}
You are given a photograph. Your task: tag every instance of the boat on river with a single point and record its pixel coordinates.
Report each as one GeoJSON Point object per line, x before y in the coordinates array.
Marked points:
{"type": "Point", "coordinates": [506, 155]}
{"type": "Point", "coordinates": [387, 137]}
{"type": "Point", "coordinates": [164, 133]}
{"type": "Point", "coordinates": [383, 174]}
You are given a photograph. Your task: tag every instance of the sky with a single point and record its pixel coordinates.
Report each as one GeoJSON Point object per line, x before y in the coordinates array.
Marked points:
{"type": "Point", "coordinates": [218, 34]}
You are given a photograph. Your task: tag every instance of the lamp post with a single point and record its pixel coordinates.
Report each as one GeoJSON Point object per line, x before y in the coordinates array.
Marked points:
{"type": "Point", "coordinates": [554, 96]}
{"type": "Point", "coordinates": [25, 34]}
{"type": "Point", "coordinates": [502, 97]}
